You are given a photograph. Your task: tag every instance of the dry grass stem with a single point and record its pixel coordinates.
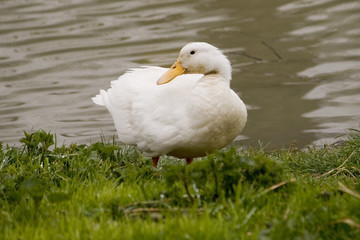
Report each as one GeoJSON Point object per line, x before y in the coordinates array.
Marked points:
{"type": "Point", "coordinates": [286, 215]}
{"type": "Point", "coordinates": [343, 188]}
{"type": "Point", "coordinates": [339, 168]}
{"type": "Point", "coordinates": [280, 184]}
{"type": "Point", "coordinates": [349, 222]}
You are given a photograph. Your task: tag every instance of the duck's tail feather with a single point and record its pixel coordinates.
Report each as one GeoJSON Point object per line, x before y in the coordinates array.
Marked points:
{"type": "Point", "coordinates": [100, 98]}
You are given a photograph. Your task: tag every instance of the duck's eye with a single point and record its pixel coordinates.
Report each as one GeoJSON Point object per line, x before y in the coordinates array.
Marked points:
{"type": "Point", "coordinates": [192, 52]}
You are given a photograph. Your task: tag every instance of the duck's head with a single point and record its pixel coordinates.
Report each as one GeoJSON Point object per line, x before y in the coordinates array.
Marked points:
{"type": "Point", "coordinates": [198, 57]}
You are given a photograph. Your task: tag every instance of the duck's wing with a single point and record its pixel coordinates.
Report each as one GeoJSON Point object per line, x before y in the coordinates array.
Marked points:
{"type": "Point", "coordinates": [145, 114]}
{"type": "Point", "coordinates": [136, 78]}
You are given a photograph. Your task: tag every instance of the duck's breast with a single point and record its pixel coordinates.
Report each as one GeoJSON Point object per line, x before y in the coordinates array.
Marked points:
{"type": "Point", "coordinates": [217, 116]}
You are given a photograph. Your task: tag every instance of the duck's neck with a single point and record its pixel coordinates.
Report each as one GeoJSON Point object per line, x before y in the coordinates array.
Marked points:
{"type": "Point", "coordinates": [212, 81]}
{"type": "Point", "coordinates": [217, 76]}
{"type": "Point", "coordinates": [221, 71]}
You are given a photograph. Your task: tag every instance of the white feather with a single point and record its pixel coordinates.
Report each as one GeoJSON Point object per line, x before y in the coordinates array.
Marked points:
{"type": "Point", "coordinates": [187, 117]}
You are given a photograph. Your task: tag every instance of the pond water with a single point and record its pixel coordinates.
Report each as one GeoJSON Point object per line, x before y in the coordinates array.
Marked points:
{"type": "Point", "coordinates": [296, 64]}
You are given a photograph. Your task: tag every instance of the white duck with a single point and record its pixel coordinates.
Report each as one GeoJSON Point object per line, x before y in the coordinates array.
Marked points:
{"type": "Point", "coordinates": [186, 111]}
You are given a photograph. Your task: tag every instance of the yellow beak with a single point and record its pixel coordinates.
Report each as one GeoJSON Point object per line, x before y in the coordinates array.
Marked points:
{"type": "Point", "coordinates": [175, 70]}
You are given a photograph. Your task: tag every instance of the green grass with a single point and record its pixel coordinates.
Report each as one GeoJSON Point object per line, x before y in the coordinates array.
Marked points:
{"type": "Point", "coordinates": [105, 191]}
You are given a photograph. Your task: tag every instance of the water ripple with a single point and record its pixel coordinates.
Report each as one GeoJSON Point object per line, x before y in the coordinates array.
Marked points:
{"type": "Point", "coordinates": [55, 55]}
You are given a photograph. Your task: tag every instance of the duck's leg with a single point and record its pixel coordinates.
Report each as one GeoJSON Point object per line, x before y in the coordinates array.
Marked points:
{"type": "Point", "coordinates": [155, 161]}
{"type": "Point", "coordinates": [189, 160]}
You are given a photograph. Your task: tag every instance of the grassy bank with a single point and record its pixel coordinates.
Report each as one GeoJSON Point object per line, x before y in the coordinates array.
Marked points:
{"type": "Point", "coordinates": [104, 191]}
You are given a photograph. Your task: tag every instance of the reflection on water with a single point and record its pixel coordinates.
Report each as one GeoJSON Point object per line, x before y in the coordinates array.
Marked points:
{"type": "Point", "coordinates": [296, 64]}
{"type": "Point", "coordinates": [336, 67]}
{"type": "Point", "coordinates": [330, 68]}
